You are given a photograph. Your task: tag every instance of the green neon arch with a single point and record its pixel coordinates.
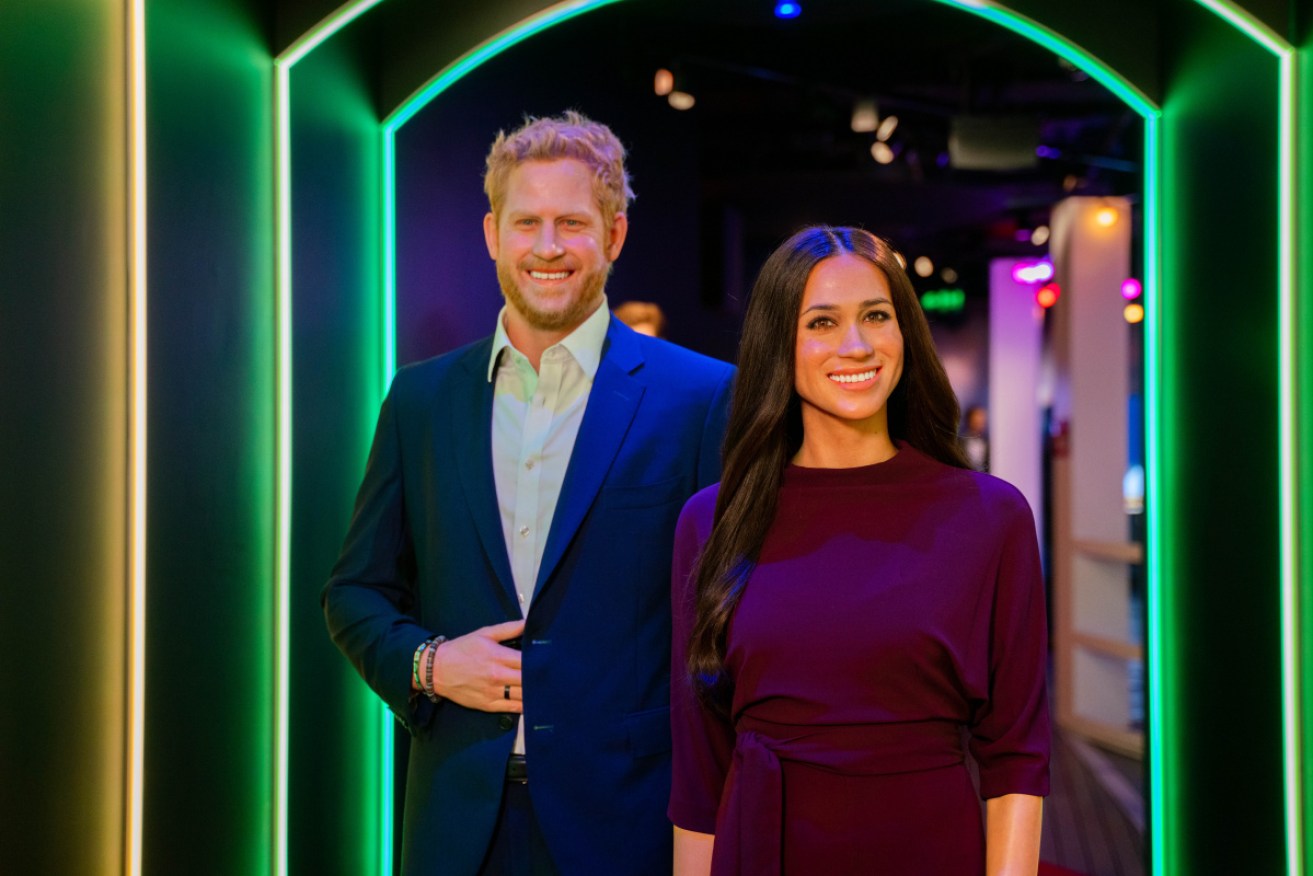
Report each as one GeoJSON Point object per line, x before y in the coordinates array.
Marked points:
{"type": "Point", "coordinates": [1158, 423]}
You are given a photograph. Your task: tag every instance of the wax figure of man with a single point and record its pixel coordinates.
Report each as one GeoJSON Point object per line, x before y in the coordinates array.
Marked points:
{"type": "Point", "coordinates": [520, 502]}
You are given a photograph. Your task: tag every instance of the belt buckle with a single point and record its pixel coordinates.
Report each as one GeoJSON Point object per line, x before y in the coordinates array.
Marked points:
{"type": "Point", "coordinates": [516, 769]}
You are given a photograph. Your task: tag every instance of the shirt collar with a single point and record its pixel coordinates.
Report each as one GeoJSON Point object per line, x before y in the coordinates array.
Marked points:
{"type": "Point", "coordinates": [584, 343]}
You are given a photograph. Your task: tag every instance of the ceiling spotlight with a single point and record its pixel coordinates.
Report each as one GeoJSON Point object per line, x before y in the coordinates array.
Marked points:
{"type": "Point", "coordinates": [786, 9]}
{"type": "Point", "coordinates": [681, 100]}
{"type": "Point", "coordinates": [882, 152]}
{"type": "Point", "coordinates": [1040, 235]}
{"type": "Point", "coordinates": [1131, 288]}
{"type": "Point", "coordinates": [923, 266]}
{"type": "Point", "coordinates": [1106, 216]}
{"type": "Point", "coordinates": [886, 129]}
{"type": "Point", "coordinates": [865, 116]}
{"type": "Point", "coordinates": [1133, 312]}
{"type": "Point", "coordinates": [664, 82]}
{"type": "Point", "coordinates": [948, 275]}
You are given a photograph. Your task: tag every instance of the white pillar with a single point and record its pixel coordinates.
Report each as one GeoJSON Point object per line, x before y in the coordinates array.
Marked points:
{"type": "Point", "coordinates": [1091, 348]}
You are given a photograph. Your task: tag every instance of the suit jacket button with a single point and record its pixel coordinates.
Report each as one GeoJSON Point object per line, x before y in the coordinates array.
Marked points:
{"type": "Point", "coordinates": [506, 722]}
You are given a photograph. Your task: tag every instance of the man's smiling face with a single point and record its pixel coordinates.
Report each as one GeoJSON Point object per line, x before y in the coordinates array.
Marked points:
{"type": "Point", "coordinates": [552, 246]}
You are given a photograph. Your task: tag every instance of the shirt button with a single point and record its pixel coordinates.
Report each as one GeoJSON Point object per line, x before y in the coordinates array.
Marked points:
{"type": "Point", "coordinates": [506, 722]}
{"type": "Point", "coordinates": [524, 530]}
{"type": "Point", "coordinates": [521, 599]}
{"type": "Point", "coordinates": [529, 465]}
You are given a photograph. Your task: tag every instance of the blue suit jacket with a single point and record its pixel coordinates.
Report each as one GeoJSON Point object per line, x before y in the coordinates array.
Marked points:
{"type": "Point", "coordinates": [425, 555]}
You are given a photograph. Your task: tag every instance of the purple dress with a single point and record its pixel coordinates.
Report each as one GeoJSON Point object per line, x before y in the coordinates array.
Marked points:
{"type": "Point", "coordinates": [896, 612]}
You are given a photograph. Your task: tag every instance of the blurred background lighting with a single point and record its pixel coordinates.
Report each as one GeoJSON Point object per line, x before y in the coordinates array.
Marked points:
{"type": "Point", "coordinates": [1033, 272]}
{"type": "Point", "coordinates": [786, 9]}
{"type": "Point", "coordinates": [1131, 288]}
{"type": "Point", "coordinates": [664, 82]}
{"type": "Point", "coordinates": [948, 275]}
{"type": "Point", "coordinates": [1047, 296]}
{"type": "Point", "coordinates": [887, 127]}
{"type": "Point", "coordinates": [882, 152]}
{"type": "Point", "coordinates": [865, 116]}
{"type": "Point", "coordinates": [1040, 235]}
{"type": "Point", "coordinates": [1134, 312]}
{"type": "Point", "coordinates": [923, 266]}
{"type": "Point", "coordinates": [1106, 216]}
{"type": "Point", "coordinates": [681, 100]}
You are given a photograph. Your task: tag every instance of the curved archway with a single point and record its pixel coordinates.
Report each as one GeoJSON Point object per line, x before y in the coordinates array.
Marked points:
{"type": "Point", "coordinates": [1163, 432]}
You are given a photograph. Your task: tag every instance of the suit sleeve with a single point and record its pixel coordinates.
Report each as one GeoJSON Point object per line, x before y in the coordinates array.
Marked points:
{"type": "Point", "coordinates": [702, 742]}
{"type": "Point", "coordinates": [713, 431]}
{"type": "Point", "coordinates": [1010, 735]}
{"type": "Point", "coordinates": [370, 593]}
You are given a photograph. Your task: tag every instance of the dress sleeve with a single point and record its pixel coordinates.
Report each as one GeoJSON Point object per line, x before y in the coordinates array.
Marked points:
{"type": "Point", "coordinates": [702, 741]}
{"type": "Point", "coordinates": [1010, 731]}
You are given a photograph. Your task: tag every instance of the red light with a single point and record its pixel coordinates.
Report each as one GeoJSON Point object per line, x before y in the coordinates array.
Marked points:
{"type": "Point", "coordinates": [1047, 296]}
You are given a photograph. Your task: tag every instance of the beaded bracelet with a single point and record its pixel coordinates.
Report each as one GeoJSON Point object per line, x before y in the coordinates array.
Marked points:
{"type": "Point", "coordinates": [415, 661]}
{"type": "Point", "coordinates": [431, 658]}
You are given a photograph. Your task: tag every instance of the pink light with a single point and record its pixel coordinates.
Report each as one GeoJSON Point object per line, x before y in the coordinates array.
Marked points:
{"type": "Point", "coordinates": [1131, 288]}
{"type": "Point", "coordinates": [1047, 296]}
{"type": "Point", "coordinates": [1033, 272]}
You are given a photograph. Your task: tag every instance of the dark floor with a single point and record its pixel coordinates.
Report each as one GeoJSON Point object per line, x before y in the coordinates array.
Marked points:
{"type": "Point", "coordinates": [1094, 816]}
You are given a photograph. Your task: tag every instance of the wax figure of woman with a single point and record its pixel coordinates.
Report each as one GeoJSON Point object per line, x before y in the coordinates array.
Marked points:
{"type": "Point", "coordinates": [851, 601]}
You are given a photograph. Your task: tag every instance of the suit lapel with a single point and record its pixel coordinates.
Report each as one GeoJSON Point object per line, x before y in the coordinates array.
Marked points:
{"type": "Point", "coordinates": [612, 403]}
{"type": "Point", "coordinates": [471, 428]}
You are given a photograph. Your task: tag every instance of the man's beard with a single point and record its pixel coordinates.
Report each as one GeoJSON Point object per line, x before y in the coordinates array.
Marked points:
{"type": "Point", "coordinates": [590, 295]}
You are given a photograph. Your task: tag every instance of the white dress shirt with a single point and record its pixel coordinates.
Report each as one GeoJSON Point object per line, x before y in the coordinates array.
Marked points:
{"type": "Point", "coordinates": [535, 420]}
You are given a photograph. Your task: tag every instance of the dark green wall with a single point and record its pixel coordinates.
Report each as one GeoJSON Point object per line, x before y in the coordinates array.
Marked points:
{"type": "Point", "coordinates": [209, 724]}
{"type": "Point", "coordinates": [338, 383]}
{"type": "Point", "coordinates": [1220, 483]}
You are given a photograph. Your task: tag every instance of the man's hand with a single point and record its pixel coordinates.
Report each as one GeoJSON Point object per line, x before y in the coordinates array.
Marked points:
{"type": "Point", "coordinates": [475, 670]}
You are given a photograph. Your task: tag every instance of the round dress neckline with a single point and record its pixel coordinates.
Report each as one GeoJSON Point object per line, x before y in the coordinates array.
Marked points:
{"type": "Point", "coordinates": [891, 469]}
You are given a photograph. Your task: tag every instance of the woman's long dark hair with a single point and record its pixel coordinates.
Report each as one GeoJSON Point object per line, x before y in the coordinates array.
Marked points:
{"type": "Point", "coordinates": [765, 425]}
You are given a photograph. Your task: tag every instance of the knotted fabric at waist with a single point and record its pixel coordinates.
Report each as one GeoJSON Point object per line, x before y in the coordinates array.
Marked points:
{"type": "Point", "coordinates": [752, 812]}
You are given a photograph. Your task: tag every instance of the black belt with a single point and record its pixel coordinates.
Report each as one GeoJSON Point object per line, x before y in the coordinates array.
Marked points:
{"type": "Point", "coordinates": [516, 770]}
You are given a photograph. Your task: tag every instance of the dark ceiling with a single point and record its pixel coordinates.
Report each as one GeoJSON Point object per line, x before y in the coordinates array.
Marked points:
{"type": "Point", "coordinates": [775, 99]}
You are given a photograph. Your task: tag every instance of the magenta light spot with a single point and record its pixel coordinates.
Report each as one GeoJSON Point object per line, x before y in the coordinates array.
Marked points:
{"type": "Point", "coordinates": [1033, 272]}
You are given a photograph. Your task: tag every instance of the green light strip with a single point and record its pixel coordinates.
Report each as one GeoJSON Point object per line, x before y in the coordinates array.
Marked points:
{"type": "Point", "coordinates": [388, 225]}
{"type": "Point", "coordinates": [1291, 621]}
{"type": "Point", "coordinates": [385, 723]}
{"type": "Point", "coordinates": [283, 64]}
{"type": "Point", "coordinates": [1291, 610]}
{"type": "Point", "coordinates": [136, 753]}
{"type": "Point", "coordinates": [1158, 538]}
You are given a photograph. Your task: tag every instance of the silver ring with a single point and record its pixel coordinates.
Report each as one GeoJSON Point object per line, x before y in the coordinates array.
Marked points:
{"type": "Point", "coordinates": [506, 692]}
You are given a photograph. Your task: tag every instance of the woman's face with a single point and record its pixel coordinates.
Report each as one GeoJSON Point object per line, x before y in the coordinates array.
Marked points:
{"type": "Point", "coordinates": [848, 353]}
